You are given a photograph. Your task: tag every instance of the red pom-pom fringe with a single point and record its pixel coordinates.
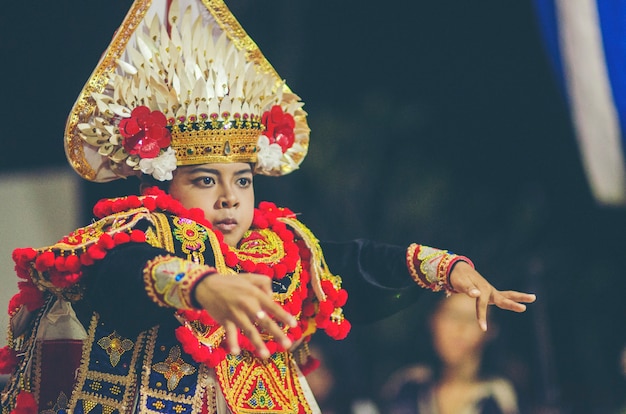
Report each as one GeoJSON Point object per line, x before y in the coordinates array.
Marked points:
{"type": "Point", "coordinates": [8, 360]}
{"type": "Point", "coordinates": [25, 404]}
{"type": "Point", "coordinates": [311, 365]}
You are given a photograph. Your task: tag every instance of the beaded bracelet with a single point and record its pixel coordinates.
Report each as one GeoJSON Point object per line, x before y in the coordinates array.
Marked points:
{"type": "Point", "coordinates": [171, 280]}
{"type": "Point", "coordinates": [430, 268]}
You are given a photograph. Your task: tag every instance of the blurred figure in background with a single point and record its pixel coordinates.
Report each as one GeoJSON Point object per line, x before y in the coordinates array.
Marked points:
{"type": "Point", "coordinates": [458, 373]}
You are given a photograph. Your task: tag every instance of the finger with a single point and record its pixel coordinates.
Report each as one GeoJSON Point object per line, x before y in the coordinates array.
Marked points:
{"type": "Point", "coordinates": [465, 285]}
{"type": "Point", "coordinates": [278, 312]}
{"type": "Point", "coordinates": [260, 316]}
{"type": "Point", "coordinates": [272, 328]}
{"type": "Point", "coordinates": [504, 303]}
{"type": "Point", "coordinates": [519, 296]}
{"type": "Point", "coordinates": [253, 334]}
{"type": "Point", "coordinates": [482, 302]}
{"type": "Point", "coordinates": [232, 340]}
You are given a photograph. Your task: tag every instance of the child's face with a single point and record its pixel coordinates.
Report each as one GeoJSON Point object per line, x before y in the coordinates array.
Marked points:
{"type": "Point", "coordinates": [223, 191]}
{"type": "Point", "coordinates": [456, 335]}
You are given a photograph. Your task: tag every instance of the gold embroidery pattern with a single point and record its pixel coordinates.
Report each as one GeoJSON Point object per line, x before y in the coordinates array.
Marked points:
{"type": "Point", "coordinates": [173, 368]}
{"type": "Point", "coordinates": [60, 406]}
{"type": "Point", "coordinates": [265, 246]}
{"type": "Point", "coordinates": [260, 397]}
{"type": "Point", "coordinates": [160, 399]}
{"type": "Point", "coordinates": [318, 268]}
{"type": "Point", "coordinates": [429, 267]}
{"type": "Point", "coordinates": [151, 238]}
{"type": "Point", "coordinates": [27, 344]}
{"type": "Point", "coordinates": [110, 392]}
{"type": "Point", "coordinates": [192, 237]}
{"type": "Point", "coordinates": [36, 373]}
{"type": "Point", "coordinates": [86, 234]}
{"type": "Point", "coordinates": [164, 237]}
{"type": "Point", "coordinates": [251, 385]}
{"type": "Point", "coordinates": [80, 240]}
{"type": "Point", "coordinates": [115, 346]}
{"type": "Point", "coordinates": [220, 264]}
{"type": "Point", "coordinates": [115, 223]}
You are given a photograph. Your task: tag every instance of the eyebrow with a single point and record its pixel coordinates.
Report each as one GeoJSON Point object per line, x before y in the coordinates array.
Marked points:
{"type": "Point", "coordinates": [201, 169]}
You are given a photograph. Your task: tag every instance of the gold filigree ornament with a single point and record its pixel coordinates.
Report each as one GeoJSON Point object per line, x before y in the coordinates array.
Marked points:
{"type": "Point", "coordinates": [183, 84]}
{"type": "Point", "coordinates": [173, 368]}
{"type": "Point", "coordinates": [115, 346]}
{"type": "Point", "coordinates": [60, 406]}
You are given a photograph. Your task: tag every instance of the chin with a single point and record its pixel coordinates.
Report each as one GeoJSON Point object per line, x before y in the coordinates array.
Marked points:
{"type": "Point", "coordinates": [232, 239]}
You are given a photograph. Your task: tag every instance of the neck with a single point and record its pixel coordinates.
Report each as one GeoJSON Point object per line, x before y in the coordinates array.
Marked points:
{"type": "Point", "coordinates": [464, 371]}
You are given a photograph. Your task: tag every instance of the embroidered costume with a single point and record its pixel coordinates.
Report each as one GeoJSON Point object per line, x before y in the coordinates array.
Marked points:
{"type": "Point", "coordinates": [168, 356]}
{"type": "Point", "coordinates": [106, 320]}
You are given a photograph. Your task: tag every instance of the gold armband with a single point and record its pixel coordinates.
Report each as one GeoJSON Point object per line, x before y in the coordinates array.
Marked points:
{"type": "Point", "coordinates": [171, 280]}
{"type": "Point", "coordinates": [431, 268]}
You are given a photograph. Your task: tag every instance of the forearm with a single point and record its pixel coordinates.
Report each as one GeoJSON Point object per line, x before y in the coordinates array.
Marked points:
{"type": "Point", "coordinates": [115, 288]}
{"type": "Point", "coordinates": [375, 276]}
{"type": "Point", "coordinates": [383, 279]}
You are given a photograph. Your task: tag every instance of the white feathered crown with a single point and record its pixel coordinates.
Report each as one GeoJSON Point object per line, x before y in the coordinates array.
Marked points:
{"type": "Point", "coordinates": [183, 84]}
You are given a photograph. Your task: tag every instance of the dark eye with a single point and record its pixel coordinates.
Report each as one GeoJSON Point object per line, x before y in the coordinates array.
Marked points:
{"type": "Point", "coordinates": [244, 182]}
{"type": "Point", "coordinates": [204, 181]}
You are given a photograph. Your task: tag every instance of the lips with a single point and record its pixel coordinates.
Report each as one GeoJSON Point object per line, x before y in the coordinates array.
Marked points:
{"type": "Point", "coordinates": [225, 225]}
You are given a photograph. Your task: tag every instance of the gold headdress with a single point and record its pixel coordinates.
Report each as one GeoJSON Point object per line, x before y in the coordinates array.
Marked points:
{"type": "Point", "coordinates": [183, 84]}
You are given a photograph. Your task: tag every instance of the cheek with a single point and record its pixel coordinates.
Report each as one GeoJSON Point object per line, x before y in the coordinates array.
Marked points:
{"type": "Point", "coordinates": [209, 214]}
{"type": "Point", "coordinates": [247, 207]}
{"type": "Point", "coordinates": [441, 338]}
{"type": "Point", "coordinates": [455, 342]}
{"type": "Point", "coordinates": [191, 200]}
{"type": "Point", "coordinates": [247, 218]}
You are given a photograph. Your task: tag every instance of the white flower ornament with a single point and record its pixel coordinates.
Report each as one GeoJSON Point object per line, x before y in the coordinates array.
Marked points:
{"type": "Point", "coordinates": [269, 155]}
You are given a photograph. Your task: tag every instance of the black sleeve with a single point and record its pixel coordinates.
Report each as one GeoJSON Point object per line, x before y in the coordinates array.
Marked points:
{"type": "Point", "coordinates": [375, 276]}
{"type": "Point", "coordinates": [115, 289]}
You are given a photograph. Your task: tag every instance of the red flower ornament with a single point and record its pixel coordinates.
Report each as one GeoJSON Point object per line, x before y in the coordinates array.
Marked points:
{"type": "Point", "coordinates": [279, 127]}
{"type": "Point", "coordinates": [145, 133]}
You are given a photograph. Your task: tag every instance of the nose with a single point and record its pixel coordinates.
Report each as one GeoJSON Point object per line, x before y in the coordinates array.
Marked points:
{"type": "Point", "coordinates": [228, 198]}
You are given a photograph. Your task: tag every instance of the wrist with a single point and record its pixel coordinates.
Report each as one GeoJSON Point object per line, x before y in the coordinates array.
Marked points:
{"type": "Point", "coordinates": [447, 266]}
{"type": "Point", "coordinates": [193, 288]}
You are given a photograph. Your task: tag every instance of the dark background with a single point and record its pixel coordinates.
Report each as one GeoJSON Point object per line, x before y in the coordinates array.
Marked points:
{"type": "Point", "coordinates": [438, 122]}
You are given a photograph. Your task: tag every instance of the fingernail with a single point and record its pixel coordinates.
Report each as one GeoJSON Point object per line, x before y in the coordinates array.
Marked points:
{"type": "Point", "coordinates": [483, 326]}
{"type": "Point", "coordinates": [264, 354]}
{"type": "Point", "coordinates": [293, 322]}
{"type": "Point", "coordinates": [235, 350]}
{"type": "Point", "coordinates": [286, 343]}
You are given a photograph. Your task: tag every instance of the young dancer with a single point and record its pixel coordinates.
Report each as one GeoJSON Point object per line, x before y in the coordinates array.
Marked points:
{"type": "Point", "coordinates": [187, 298]}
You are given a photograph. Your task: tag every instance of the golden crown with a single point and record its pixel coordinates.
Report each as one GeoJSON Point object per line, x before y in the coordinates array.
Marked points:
{"type": "Point", "coordinates": [183, 84]}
